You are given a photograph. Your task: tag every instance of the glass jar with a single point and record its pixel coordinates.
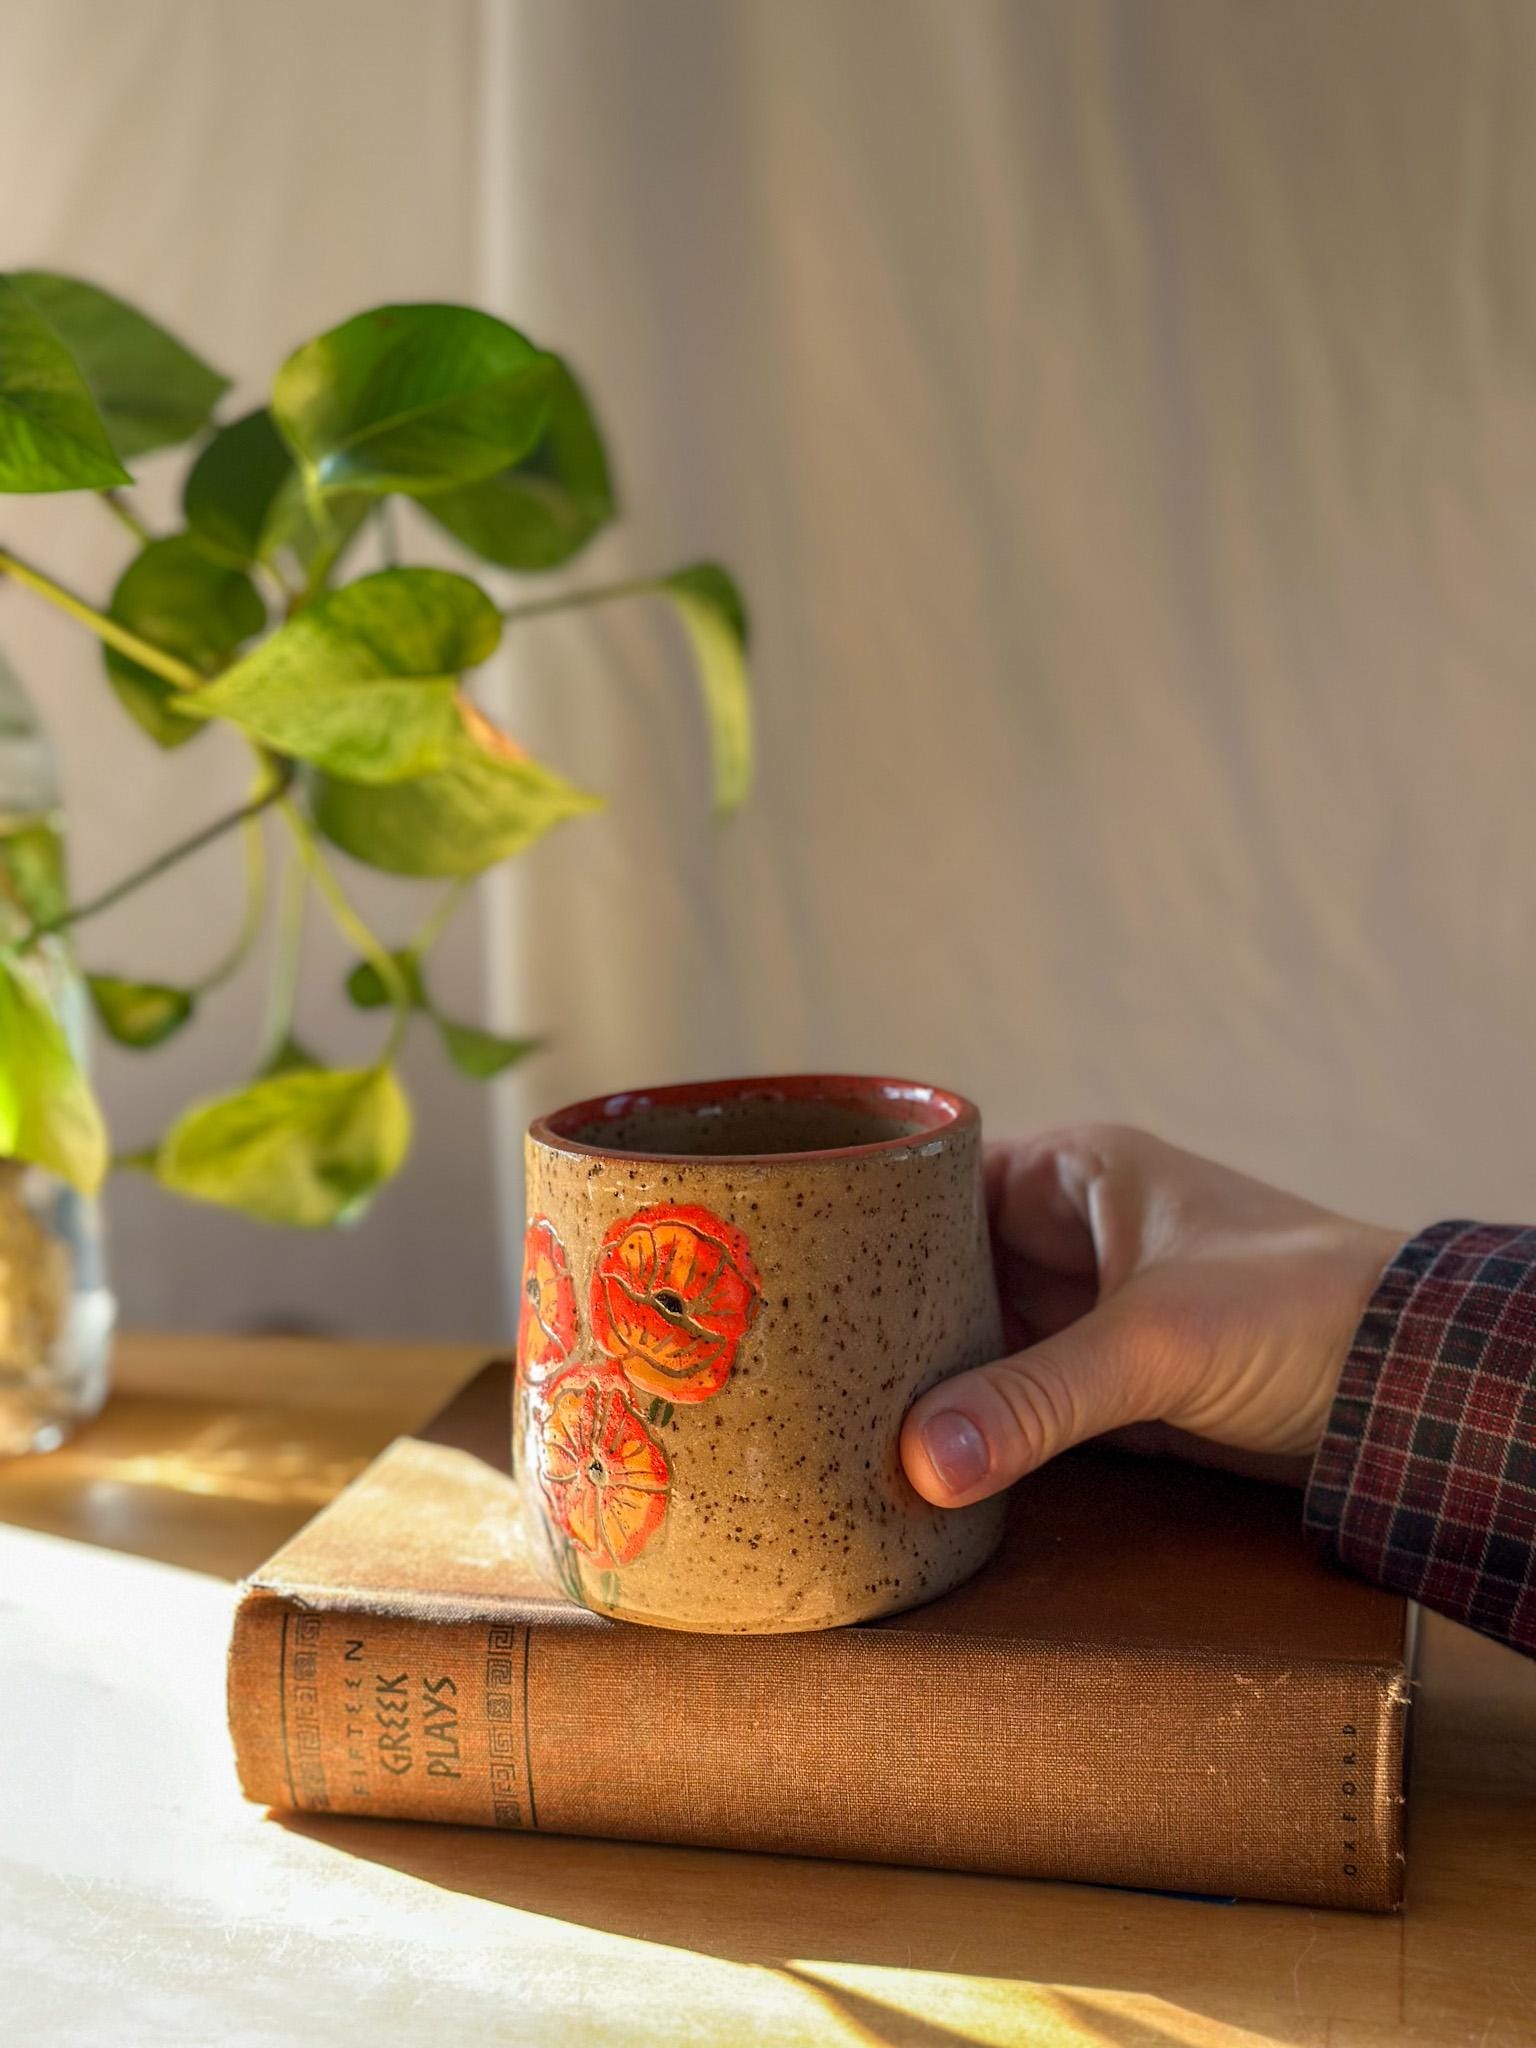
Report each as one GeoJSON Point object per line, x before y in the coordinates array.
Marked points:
{"type": "Point", "coordinates": [56, 1311]}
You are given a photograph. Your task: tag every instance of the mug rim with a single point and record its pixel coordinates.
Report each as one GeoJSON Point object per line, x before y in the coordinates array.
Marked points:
{"type": "Point", "coordinates": [949, 1114]}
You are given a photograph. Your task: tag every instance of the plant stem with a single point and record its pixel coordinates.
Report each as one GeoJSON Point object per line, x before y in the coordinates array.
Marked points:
{"type": "Point", "coordinates": [155, 658]}
{"type": "Point", "coordinates": [389, 543]}
{"type": "Point", "coordinates": [282, 591]}
{"type": "Point", "coordinates": [576, 600]}
{"type": "Point", "coordinates": [436, 922]}
{"type": "Point", "coordinates": [333, 537]}
{"type": "Point", "coordinates": [125, 515]}
{"type": "Point", "coordinates": [77, 913]}
{"type": "Point", "coordinates": [286, 955]}
{"type": "Point", "coordinates": [322, 562]}
{"type": "Point", "coordinates": [345, 918]}
{"type": "Point", "coordinates": [251, 917]}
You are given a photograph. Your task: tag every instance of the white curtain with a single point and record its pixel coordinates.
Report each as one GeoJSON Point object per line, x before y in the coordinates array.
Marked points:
{"type": "Point", "coordinates": [1123, 421]}
{"type": "Point", "coordinates": [1122, 418]}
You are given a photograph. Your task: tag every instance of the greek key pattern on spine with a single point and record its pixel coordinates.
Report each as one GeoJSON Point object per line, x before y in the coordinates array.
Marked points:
{"type": "Point", "coordinates": [506, 1717]}
{"type": "Point", "coordinates": [304, 1750]}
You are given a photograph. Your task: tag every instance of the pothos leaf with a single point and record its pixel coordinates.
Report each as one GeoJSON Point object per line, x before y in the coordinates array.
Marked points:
{"type": "Point", "coordinates": [289, 1056]}
{"type": "Point", "coordinates": [540, 511]}
{"type": "Point", "coordinates": [366, 989]}
{"type": "Point", "coordinates": [229, 490]}
{"type": "Point", "coordinates": [313, 530]}
{"type": "Point", "coordinates": [141, 1014]}
{"type": "Point", "coordinates": [151, 390]}
{"type": "Point", "coordinates": [32, 872]}
{"type": "Point", "coordinates": [307, 1147]}
{"type": "Point", "coordinates": [48, 1115]}
{"type": "Point", "coordinates": [486, 802]}
{"type": "Point", "coordinates": [413, 398]}
{"type": "Point", "coordinates": [179, 598]}
{"type": "Point", "coordinates": [481, 1054]}
{"type": "Point", "coordinates": [715, 620]}
{"type": "Point", "coordinates": [362, 682]}
{"type": "Point", "coordinates": [245, 500]}
{"type": "Point", "coordinates": [52, 437]}
{"type": "Point", "coordinates": [710, 608]}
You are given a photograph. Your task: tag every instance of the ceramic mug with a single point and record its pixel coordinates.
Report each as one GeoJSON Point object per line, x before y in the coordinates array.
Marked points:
{"type": "Point", "coordinates": [732, 1291]}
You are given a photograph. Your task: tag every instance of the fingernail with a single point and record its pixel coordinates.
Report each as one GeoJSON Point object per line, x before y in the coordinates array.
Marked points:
{"type": "Point", "coordinates": [956, 1449]}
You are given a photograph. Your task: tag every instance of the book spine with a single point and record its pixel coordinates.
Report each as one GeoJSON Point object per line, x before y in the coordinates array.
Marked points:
{"type": "Point", "coordinates": [1191, 1773]}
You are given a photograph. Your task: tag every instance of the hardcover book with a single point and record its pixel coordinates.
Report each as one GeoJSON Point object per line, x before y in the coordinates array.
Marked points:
{"type": "Point", "coordinates": [1154, 1684]}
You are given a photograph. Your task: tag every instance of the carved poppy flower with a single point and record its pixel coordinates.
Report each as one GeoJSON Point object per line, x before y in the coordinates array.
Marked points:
{"type": "Point", "coordinates": [603, 1474]}
{"type": "Point", "coordinates": [673, 1294]}
{"type": "Point", "coordinates": [547, 1327]}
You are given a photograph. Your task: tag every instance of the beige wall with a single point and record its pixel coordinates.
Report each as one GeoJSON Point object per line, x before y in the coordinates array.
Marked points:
{"type": "Point", "coordinates": [1123, 418]}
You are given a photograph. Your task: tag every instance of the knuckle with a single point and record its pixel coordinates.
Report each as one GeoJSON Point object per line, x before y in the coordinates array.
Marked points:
{"type": "Point", "coordinates": [1039, 1409]}
{"type": "Point", "coordinates": [1099, 1141]}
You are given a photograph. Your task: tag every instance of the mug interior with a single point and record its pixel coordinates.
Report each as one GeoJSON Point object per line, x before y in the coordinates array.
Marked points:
{"type": "Point", "coordinates": [800, 1115]}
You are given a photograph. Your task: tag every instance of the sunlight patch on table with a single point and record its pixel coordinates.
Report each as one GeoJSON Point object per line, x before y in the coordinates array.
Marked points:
{"type": "Point", "coordinates": [999, 2012]}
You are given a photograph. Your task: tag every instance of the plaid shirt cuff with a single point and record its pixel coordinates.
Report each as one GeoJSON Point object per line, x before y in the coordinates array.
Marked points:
{"type": "Point", "coordinates": [1426, 1478]}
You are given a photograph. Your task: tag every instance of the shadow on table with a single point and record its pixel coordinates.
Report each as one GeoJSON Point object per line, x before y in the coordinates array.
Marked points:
{"type": "Point", "coordinates": [813, 1922]}
{"type": "Point", "coordinates": [201, 1484]}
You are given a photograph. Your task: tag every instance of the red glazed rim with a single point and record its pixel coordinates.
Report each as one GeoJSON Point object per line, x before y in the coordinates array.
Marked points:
{"type": "Point", "coordinates": [936, 1112]}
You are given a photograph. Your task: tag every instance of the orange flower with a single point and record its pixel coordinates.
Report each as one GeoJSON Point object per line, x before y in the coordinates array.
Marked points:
{"type": "Point", "coordinates": [604, 1476]}
{"type": "Point", "coordinates": [547, 1328]}
{"type": "Point", "coordinates": [674, 1292]}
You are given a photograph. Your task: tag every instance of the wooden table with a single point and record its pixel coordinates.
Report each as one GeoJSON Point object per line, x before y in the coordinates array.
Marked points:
{"type": "Point", "coordinates": [141, 1901]}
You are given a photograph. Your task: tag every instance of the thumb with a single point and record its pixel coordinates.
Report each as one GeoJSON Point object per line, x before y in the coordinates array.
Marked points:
{"type": "Point", "coordinates": [976, 1433]}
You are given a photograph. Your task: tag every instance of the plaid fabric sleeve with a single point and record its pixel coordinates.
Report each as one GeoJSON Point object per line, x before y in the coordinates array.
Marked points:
{"type": "Point", "coordinates": [1426, 1478]}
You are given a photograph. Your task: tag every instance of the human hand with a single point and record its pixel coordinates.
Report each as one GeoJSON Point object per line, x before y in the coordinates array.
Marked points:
{"type": "Point", "coordinates": [1148, 1292]}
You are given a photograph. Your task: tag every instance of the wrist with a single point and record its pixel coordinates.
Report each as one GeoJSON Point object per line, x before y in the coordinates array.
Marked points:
{"type": "Point", "coordinates": [1347, 1283]}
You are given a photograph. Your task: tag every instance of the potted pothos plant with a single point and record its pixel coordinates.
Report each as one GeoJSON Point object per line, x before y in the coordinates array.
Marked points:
{"type": "Point", "coordinates": [348, 686]}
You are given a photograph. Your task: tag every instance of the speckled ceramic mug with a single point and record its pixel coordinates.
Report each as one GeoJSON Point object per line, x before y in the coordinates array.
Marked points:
{"type": "Point", "coordinates": [732, 1291]}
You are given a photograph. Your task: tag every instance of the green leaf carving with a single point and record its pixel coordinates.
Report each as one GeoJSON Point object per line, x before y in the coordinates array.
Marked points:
{"type": "Point", "coordinates": [308, 1147]}
{"type": "Point", "coordinates": [482, 1054]}
{"type": "Point", "coordinates": [715, 619]}
{"type": "Point", "coordinates": [542, 510]}
{"type": "Point", "coordinates": [48, 1114]}
{"type": "Point", "coordinates": [487, 802]}
{"type": "Point", "coordinates": [363, 682]}
{"type": "Point", "coordinates": [177, 596]}
{"type": "Point", "coordinates": [151, 391]}
{"type": "Point", "coordinates": [140, 1014]}
{"type": "Point", "coordinates": [413, 399]}
{"type": "Point", "coordinates": [52, 438]}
